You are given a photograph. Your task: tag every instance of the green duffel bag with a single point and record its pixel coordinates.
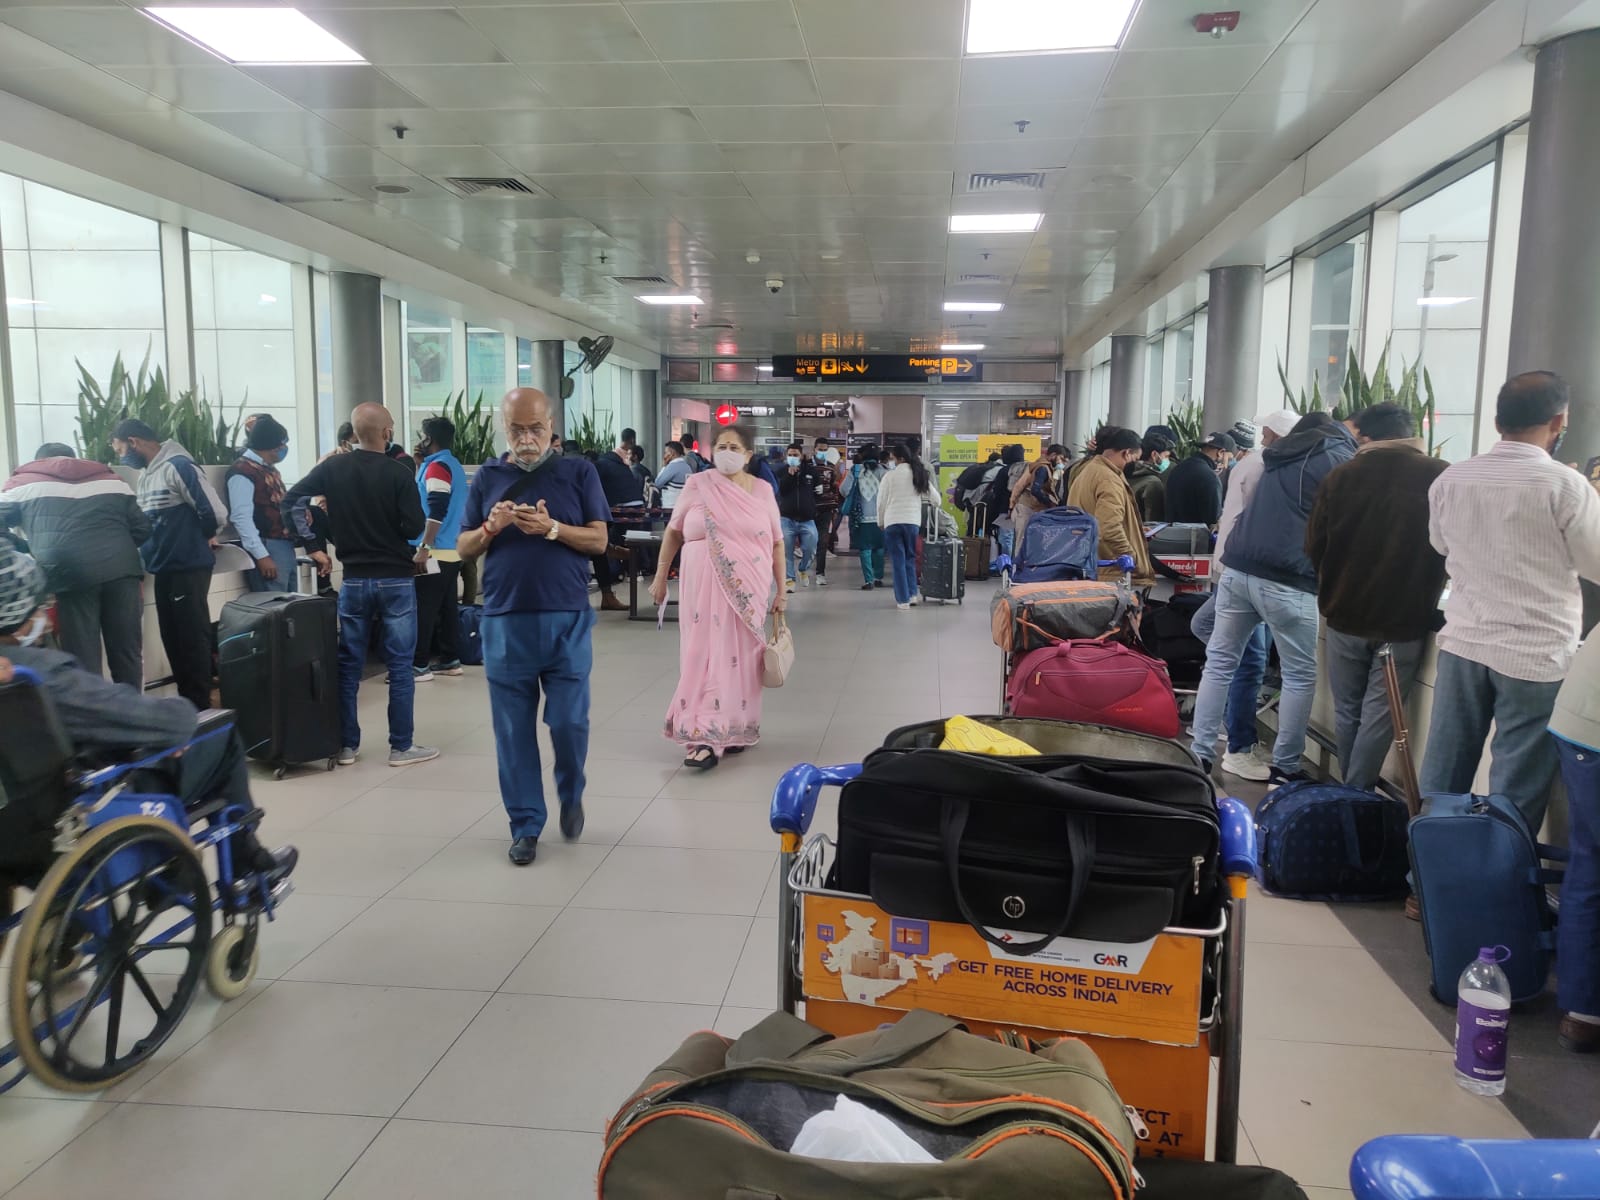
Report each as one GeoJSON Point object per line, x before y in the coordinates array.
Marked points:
{"type": "Point", "coordinates": [716, 1120]}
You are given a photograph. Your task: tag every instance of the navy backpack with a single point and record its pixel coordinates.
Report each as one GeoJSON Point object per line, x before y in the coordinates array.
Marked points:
{"type": "Point", "coordinates": [1326, 841]}
{"type": "Point", "coordinates": [1058, 543]}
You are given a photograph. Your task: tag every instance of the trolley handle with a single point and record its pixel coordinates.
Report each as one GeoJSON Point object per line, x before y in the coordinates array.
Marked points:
{"type": "Point", "coordinates": [1238, 842]}
{"type": "Point", "coordinates": [794, 800]}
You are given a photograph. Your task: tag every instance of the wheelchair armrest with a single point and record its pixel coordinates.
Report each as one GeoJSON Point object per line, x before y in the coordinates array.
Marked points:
{"type": "Point", "coordinates": [213, 719]}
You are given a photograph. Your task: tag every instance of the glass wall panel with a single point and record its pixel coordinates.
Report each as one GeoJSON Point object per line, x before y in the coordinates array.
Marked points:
{"type": "Point", "coordinates": [430, 372]}
{"type": "Point", "coordinates": [83, 285]}
{"type": "Point", "coordinates": [1337, 289]}
{"type": "Point", "coordinates": [1440, 271]}
{"type": "Point", "coordinates": [322, 340]}
{"type": "Point", "coordinates": [524, 363]}
{"type": "Point", "coordinates": [1153, 375]}
{"type": "Point", "coordinates": [1274, 340]}
{"type": "Point", "coordinates": [1183, 372]}
{"type": "Point", "coordinates": [486, 364]}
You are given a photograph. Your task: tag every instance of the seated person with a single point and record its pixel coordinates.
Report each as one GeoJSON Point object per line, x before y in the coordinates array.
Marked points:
{"type": "Point", "coordinates": [107, 721]}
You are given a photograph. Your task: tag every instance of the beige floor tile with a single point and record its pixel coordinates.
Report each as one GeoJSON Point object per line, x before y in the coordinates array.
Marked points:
{"type": "Point", "coordinates": [476, 870]}
{"type": "Point", "coordinates": [1330, 994]}
{"type": "Point", "coordinates": [628, 776]}
{"type": "Point", "coordinates": [425, 1160]}
{"type": "Point", "coordinates": [620, 955]}
{"type": "Point", "coordinates": [387, 809]}
{"type": "Point", "coordinates": [755, 980]}
{"type": "Point", "coordinates": [157, 1152]}
{"type": "Point", "coordinates": [1294, 922]}
{"type": "Point", "coordinates": [605, 820]}
{"type": "Point", "coordinates": [35, 1129]}
{"type": "Point", "coordinates": [706, 824]}
{"type": "Point", "coordinates": [302, 923]}
{"type": "Point", "coordinates": [1309, 1106]}
{"type": "Point", "coordinates": [290, 809]}
{"type": "Point", "coordinates": [552, 1062]}
{"type": "Point", "coordinates": [654, 878]}
{"type": "Point", "coordinates": [1316, 1193]}
{"type": "Point", "coordinates": [351, 864]}
{"type": "Point", "coordinates": [459, 772]}
{"type": "Point", "coordinates": [429, 944]}
{"type": "Point", "coordinates": [769, 897]}
{"type": "Point", "coordinates": [320, 1047]}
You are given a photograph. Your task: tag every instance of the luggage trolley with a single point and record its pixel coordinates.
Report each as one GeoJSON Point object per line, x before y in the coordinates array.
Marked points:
{"type": "Point", "coordinates": [1008, 658]}
{"type": "Point", "coordinates": [809, 913]}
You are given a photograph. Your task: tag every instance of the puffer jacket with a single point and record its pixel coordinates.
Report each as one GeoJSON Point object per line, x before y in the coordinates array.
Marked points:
{"type": "Point", "coordinates": [184, 513]}
{"type": "Point", "coordinates": [81, 521]}
{"type": "Point", "coordinates": [1269, 540]}
{"type": "Point", "coordinates": [1102, 491]}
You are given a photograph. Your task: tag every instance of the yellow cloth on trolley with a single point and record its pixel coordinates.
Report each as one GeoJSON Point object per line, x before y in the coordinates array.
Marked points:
{"type": "Point", "coordinates": [963, 733]}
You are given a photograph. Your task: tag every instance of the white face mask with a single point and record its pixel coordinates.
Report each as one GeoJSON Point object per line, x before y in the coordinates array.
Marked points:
{"type": "Point", "coordinates": [34, 633]}
{"type": "Point", "coordinates": [729, 462]}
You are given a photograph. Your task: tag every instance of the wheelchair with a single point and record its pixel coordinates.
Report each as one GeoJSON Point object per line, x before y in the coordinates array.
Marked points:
{"type": "Point", "coordinates": [124, 923]}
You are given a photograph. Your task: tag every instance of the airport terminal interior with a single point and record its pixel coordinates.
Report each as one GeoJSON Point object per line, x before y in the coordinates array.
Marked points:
{"type": "Point", "coordinates": [950, 225]}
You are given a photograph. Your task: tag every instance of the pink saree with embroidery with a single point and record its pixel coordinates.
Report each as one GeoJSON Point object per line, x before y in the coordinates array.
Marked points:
{"type": "Point", "coordinates": [725, 592]}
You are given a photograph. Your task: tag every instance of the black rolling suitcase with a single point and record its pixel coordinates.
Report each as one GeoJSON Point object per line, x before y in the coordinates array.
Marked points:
{"type": "Point", "coordinates": [278, 661]}
{"type": "Point", "coordinates": [944, 569]}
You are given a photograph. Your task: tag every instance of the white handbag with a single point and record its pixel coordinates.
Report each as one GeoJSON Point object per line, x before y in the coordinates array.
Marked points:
{"type": "Point", "coordinates": [778, 654]}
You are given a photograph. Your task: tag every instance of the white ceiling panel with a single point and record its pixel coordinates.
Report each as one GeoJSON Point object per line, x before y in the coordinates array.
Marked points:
{"type": "Point", "coordinates": [686, 156]}
{"type": "Point", "coordinates": [896, 156]}
{"type": "Point", "coordinates": [422, 126]}
{"type": "Point", "coordinates": [780, 81]}
{"type": "Point", "coordinates": [890, 82]}
{"type": "Point", "coordinates": [204, 89]}
{"type": "Point", "coordinates": [600, 32]}
{"type": "Point", "coordinates": [607, 85]}
{"type": "Point", "coordinates": [1043, 79]}
{"type": "Point", "coordinates": [998, 122]}
{"type": "Point", "coordinates": [1155, 115]}
{"type": "Point", "coordinates": [778, 156]}
{"type": "Point", "coordinates": [764, 123]}
{"type": "Point", "coordinates": [560, 159]}
{"type": "Point", "coordinates": [614, 125]}
{"type": "Point", "coordinates": [108, 37]}
{"type": "Point", "coordinates": [487, 86]}
{"type": "Point", "coordinates": [410, 37]}
{"type": "Point", "coordinates": [1212, 68]}
{"type": "Point", "coordinates": [335, 87]}
{"type": "Point", "coordinates": [451, 160]}
{"type": "Point", "coordinates": [1133, 150]}
{"type": "Point", "coordinates": [882, 28]}
{"type": "Point", "coordinates": [901, 183]}
{"type": "Point", "coordinates": [683, 183]}
{"type": "Point", "coordinates": [569, 187]}
{"type": "Point", "coordinates": [1169, 24]}
{"type": "Point", "coordinates": [865, 123]}
{"type": "Point", "coordinates": [705, 29]}
{"type": "Point", "coordinates": [795, 183]}
{"type": "Point", "coordinates": [296, 130]}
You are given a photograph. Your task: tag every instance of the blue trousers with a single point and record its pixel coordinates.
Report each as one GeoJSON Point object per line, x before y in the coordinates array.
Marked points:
{"type": "Point", "coordinates": [522, 654]}
{"type": "Point", "coordinates": [1578, 933]}
{"type": "Point", "coordinates": [902, 544]}
{"type": "Point", "coordinates": [1467, 696]}
{"type": "Point", "coordinates": [804, 535]}
{"type": "Point", "coordinates": [281, 553]}
{"type": "Point", "coordinates": [1244, 693]}
{"type": "Point", "coordinates": [393, 604]}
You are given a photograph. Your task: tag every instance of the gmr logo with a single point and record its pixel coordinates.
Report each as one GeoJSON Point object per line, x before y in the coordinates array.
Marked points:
{"type": "Point", "coordinates": [1110, 960]}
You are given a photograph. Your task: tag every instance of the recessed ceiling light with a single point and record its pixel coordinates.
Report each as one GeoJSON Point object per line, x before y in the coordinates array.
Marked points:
{"type": "Point", "coordinates": [1046, 26]}
{"type": "Point", "coordinates": [1443, 301]}
{"type": "Point", "coordinates": [961, 347]}
{"type": "Point", "coordinates": [972, 306]}
{"type": "Point", "coordinates": [669, 300]}
{"type": "Point", "coordinates": [995, 222]}
{"type": "Point", "coordinates": [257, 36]}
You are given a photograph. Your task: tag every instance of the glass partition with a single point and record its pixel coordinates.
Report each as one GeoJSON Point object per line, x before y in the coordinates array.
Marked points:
{"type": "Point", "coordinates": [1337, 291]}
{"type": "Point", "coordinates": [430, 372]}
{"type": "Point", "coordinates": [486, 364]}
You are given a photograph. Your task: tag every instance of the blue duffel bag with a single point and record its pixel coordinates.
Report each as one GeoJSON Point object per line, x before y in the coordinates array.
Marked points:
{"type": "Point", "coordinates": [470, 643]}
{"type": "Point", "coordinates": [1325, 841]}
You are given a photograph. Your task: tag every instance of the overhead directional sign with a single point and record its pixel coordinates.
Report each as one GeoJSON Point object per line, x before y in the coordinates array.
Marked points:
{"type": "Point", "coordinates": [876, 368]}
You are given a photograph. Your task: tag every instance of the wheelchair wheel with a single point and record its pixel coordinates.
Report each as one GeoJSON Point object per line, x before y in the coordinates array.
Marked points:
{"type": "Point", "coordinates": [232, 960]}
{"type": "Point", "coordinates": [130, 902]}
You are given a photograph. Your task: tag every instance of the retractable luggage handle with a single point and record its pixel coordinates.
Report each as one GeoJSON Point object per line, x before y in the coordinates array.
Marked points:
{"type": "Point", "coordinates": [1402, 735]}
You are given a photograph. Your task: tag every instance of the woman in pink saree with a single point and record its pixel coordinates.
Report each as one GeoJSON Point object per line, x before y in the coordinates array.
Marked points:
{"type": "Point", "coordinates": [731, 578]}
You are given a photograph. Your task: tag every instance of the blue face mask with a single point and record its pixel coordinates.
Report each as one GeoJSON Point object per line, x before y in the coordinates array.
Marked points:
{"type": "Point", "coordinates": [135, 460]}
{"type": "Point", "coordinates": [792, 460]}
{"type": "Point", "coordinates": [1163, 464]}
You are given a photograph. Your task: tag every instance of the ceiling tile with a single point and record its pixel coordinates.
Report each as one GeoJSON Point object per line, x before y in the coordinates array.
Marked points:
{"type": "Point", "coordinates": [901, 183]}
{"type": "Point", "coordinates": [1154, 115]}
{"type": "Point", "coordinates": [883, 28]}
{"type": "Point", "coordinates": [862, 123]}
{"type": "Point", "coordinates": [998, 122]}
{"type": "Point", "coordinates": [697, 183]}
{"type": "Point", "coordinates": [575, 158]}
{"type": "Point", "coordinates": [903, 205]}
{"type": "Point", "coordinates": [568, 187]}
{"type": "Point", "coordinates": [1034, 79]}
{"type": "Point", "coordinates": [343, 87]}
{"type": "Point", "coordinates": [81, 91]}
{"type": "Point", "coordinates": [1133, 150]}
{"type": "Point", "coordinates": [1219, 67]}
{"type": "Point", "coordinates": [486, 86]}
{"type": "Point", "coordinates": [504, 128]}
{"type": "Point", "coordinates": [673, 156]}
{"type": "Point", "coordinates": [725, 29]}
{"type": "Point", "coordinates": [341, 161]}
{"type": "Point", "coordinates": [108, 37]}
{"type": "Point", "coordinates": [795, 183]}
{"type": "Point", "coordinates": [365, 186]}
{"type": "Point", "coordinates": [896, 156]}
{"type": "Point", "coordinates": [631, 125]}
{"type": "Point", "coordinates": [601, 32]}
{"type": "Point", "coordinates": [779, 156]}
{"type": "Point", "coordinates": [607, 85]}
{"type": "Point", "coordinates": [297, 130]}
{"type": "Point", "coordinates": [778, 81]}
{"type": "Point", "coordinates": [204, 89]}
{"type": "Point", "coordinates": [887, 81]}
{"type": "Point", "coordinates": [1169, 24]}
{"type": "Point", "coordinates": [409, 37]}
{"type": "Point", "coordinates": [423, 126]}
{"type": "Point", "coordinates": [439, 161]}
{"type": "Point", "coordinates": [764, 123]}
{"type": "Point", "coordinates": [1019, 154]}
{"type": "Point", "coordinates": [805, 212]}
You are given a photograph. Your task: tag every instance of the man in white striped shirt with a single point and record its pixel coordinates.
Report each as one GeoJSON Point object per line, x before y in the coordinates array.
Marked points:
{"type": "Point", "coordinates": [1517, 529]}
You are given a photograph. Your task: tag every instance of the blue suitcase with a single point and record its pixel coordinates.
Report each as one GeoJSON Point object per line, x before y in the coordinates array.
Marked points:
{"type": "Point", "coordinates": [470, 643]}
{"type": "Point", "coordinates": [1326, 841]}
{"type": "Point", "coordinates": [1058, 543]}
{"type": "Point", "coordinates": [1480, 877]}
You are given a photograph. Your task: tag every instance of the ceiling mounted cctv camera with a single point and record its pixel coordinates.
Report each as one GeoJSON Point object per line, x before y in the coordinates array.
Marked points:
{"type": "Point", "coordinates": [774, 284]}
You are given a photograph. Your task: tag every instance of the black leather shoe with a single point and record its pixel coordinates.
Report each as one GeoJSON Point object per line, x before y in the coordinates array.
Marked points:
{"type": "Point", "coordinates": [572, 822]}
{"type": "Point", "coordinates": [1578, 1037]}
{"type": "Point", "coordinates": [523, 851]}
{"type": "Point", "coordinates": [276, 864]}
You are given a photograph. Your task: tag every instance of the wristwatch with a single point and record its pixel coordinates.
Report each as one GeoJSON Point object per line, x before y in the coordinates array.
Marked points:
{"type": "Point", "coordinates": [555, 531]}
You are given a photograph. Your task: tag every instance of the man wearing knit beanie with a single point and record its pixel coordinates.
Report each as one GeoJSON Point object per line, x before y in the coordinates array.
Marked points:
{"type": "Point", "coordinates": [255, 506]}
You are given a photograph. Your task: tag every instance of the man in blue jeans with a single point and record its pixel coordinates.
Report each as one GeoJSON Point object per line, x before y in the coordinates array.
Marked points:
{"type": "Point", "coordinates": [536, 518]}
{"type": "Point", "coordinates": [1267, 577]}
{"type": "Point", "coordinates": [1244, 695]}
{"type": "Point", "coordinates": [374, 512]}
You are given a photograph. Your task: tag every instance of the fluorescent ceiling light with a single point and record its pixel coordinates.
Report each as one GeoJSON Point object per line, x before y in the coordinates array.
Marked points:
{"type": "Point", "coordinates": [1046, 26]}
{"type": "Point", "coordinates": [961, 347]}
{"type": "Point", "coordinates": [764, 368]}
{"type": "Point", "coordinates": [1442, 301]}
{"type": "Point", "coordinates": [257, 35]}
{"type": "Point", "coordinates": [669, 300]}
{"type": "Point", "coordinates": [995, 222]}
{"type": "Point", "coordinates": [972, 306]}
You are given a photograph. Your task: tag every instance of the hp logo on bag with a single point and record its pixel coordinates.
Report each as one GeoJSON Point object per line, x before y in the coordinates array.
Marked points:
{"type": "Point", "coordinates": [1013, 906]}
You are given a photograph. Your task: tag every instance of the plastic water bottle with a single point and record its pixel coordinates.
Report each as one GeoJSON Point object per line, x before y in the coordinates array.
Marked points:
{"type": "Point", "coordinates": [1483, 1023]}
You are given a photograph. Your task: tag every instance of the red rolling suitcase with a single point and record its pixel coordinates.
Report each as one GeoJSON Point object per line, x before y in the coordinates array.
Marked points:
{"type": "Point", "coordinates": [1098, 683]}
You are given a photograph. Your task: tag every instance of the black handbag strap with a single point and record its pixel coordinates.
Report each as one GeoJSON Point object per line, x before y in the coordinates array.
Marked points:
{"type": "Point", "coordinates": [520, 487]}
{"type": "Point", "coordinates": [947, 772]}
{"type": "Point", "coordinates": [1080, 853]}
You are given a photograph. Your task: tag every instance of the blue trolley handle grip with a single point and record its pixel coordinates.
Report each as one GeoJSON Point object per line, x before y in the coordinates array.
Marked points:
{"type": "Point", "coordinates": [794, 800]}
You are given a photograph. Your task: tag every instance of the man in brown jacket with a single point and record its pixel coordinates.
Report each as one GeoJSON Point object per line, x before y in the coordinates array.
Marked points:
{"type": "Point", "coordinates": [1101, 490]}
{"type": "Point", "coordinates": [1378, 579]}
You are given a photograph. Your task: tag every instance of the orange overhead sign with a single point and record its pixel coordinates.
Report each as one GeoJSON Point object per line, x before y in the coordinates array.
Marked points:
{"type": "Point", "coordinates": [876, 368]}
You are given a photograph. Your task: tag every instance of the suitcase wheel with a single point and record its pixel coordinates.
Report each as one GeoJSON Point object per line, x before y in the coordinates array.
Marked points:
{"type": "Point", "coordinates": [332, 762]}
{"type": "Point", "coordinates": [280, 771]}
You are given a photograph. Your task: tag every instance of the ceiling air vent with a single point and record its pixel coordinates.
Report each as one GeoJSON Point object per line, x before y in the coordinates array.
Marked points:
{"type": "Point", "coordinates": [478, 185]}
{"type": "Point", "coordinates": [969, 278]}
{"type": "Point", "coordinates": [646, 281]}
{"type": "Point", "coordinates": [1006, 181]}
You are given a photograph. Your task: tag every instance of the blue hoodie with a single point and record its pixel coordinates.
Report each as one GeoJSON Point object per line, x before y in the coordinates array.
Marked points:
{"type": "Point", "coordinates": [1270, 537]}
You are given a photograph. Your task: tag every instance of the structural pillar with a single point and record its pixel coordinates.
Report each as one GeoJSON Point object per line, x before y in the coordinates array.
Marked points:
{"type": "Point", "coordinates": [1233, 346]}
{"type": "Point", "coordinates": [547, 362]}
{"type": "Point", "coordinates": [1556, 308]}
{"type": "Point", "coordinates": [647, 416]}
{"type": "Point", "coordinates": [356, 303]}
{"type": "Point", "coordinates": [1128, 354]}
{"type": "Point", "coordinates": [1076, 429]}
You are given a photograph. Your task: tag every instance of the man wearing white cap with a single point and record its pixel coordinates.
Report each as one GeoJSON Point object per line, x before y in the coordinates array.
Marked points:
{"type": "Point", "coordinates": [1244, 693]}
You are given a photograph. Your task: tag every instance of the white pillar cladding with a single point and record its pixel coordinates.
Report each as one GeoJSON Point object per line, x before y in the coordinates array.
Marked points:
{"type": "Point", "coordinates": [1128, 355]}
{"type": "Point", "coordinates": [1233, 345]}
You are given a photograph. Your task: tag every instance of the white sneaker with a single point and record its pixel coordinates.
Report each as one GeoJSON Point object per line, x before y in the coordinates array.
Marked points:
{"type": "Point", "coordinates": [916, 599]}
{"type": "Point", "coordinates": [789, 586]}
{"type": "Point", "coordinates": [1246, 766]}
{"type": "Point", "coordinates": [903, 607]}
{"type": "Point", "coordinates": [822, 581]}
{"type": "Point", "coordinates": [805, 579]}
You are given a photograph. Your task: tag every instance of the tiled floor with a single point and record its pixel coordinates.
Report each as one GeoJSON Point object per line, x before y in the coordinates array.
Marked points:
{"type": "Point", "coordinates": [432, 1022]}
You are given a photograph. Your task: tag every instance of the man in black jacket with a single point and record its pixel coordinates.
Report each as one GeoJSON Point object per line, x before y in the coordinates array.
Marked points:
{"type": "Point", "coordinates": [375, 513]}
{"type": "Point", "coordinates": [623, 490]}
{"type": "Point", "coordinates": [1194, 486]}
{"type": "Point", "coordinates": [1378, 579]}
{"type": "Point", "coordinates": [797, 507]}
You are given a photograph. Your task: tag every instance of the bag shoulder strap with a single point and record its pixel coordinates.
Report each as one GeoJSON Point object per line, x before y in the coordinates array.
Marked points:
{"type": "Point", "coordinates": [520, 488]}
{"type": "Point", "coordinates": [778, 1036]}
{"type": "Point", "coordinates": [918, 1028]}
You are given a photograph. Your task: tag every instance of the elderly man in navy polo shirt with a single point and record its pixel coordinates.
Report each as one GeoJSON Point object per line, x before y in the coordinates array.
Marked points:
{"type": "Point", "coordinates": [537, 518]}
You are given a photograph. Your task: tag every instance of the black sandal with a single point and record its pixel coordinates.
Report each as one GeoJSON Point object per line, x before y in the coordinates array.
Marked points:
{"type": "Point", "coordinates": [693, 759]}
{"type": "Point", "coordinates": [734, 750]}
